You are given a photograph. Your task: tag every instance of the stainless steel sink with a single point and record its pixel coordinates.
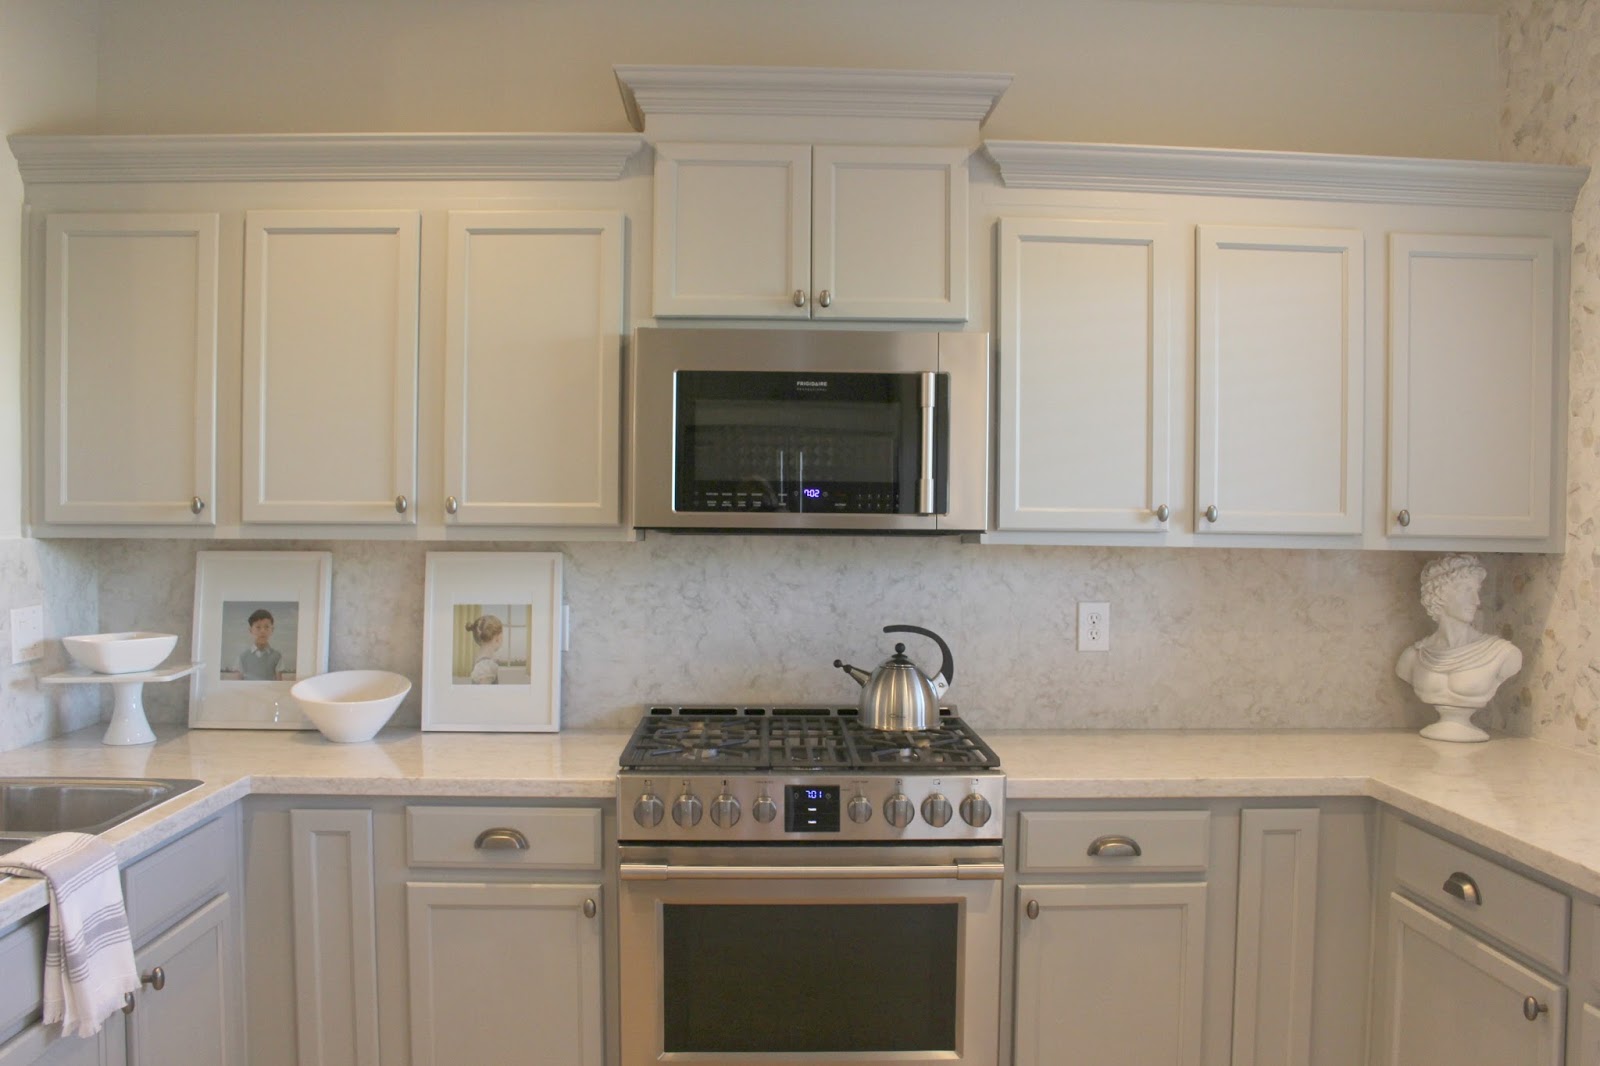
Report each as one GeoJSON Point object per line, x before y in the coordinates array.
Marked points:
{"type": "Point", "coordinates": [33, 807]}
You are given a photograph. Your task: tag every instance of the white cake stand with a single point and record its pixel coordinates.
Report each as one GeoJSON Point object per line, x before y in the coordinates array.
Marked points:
{"type": "Point", "coordinates": [128, 723]}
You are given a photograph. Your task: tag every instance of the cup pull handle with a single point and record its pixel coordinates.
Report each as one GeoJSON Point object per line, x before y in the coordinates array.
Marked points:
{"type": "Point", "coordinates": [1115, 846]}
{"type": "Point", "coordinates": [501, 839]}
{"type": "Point", "coordinates": [1463, 888]}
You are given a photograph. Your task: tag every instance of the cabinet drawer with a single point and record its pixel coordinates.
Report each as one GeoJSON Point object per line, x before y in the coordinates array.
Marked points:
{"type": "Point", "coordinates": [1523, 913]}
{"type": "Point", "coordinates": [22, 963]}
{"type": "Point", "coordinates": [167, 884]}
{"type": "Point", "coordinates": [527, 838]}
{"type": "Point", "coordinates": [1099, 841]}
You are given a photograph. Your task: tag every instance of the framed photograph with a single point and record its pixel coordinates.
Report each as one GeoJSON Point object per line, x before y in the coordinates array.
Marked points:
{"type": "Point", "coordinates": [260, 625]}
{"type": "Point", "coordinates": [491, 634]}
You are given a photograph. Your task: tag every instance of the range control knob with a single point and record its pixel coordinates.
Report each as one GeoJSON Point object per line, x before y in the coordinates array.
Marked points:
{"type": "Point", "coordinates": [764, 810]}
{"type": "Point", "coordinates": [860, 809]}
{"type": "Point", "coordinates": [936, 810]}
{"type": "Point", "coordinates": [898, 811]}
{"type": "Point", "coordinates": [686, 810]}
{"type": "Point", "coordinates": [975, 810]}
{"type": "Point", "coordinates": [648, 809]}
{"type": "Point", "coordinates": [725, 810]}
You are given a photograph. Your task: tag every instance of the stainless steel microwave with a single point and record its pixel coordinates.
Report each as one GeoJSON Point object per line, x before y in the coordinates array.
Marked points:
{"type": "Point", "coordinates": [796, 430]}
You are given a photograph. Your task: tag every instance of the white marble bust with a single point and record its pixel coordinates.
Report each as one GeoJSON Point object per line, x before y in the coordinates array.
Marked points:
{"type": "Point", "coordinates": [1458, 668]}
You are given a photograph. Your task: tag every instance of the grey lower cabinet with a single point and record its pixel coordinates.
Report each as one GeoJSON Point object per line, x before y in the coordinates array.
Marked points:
{"type": "Point", "coordinates": [181, 904]}
{"type": "Point", "coordinates": [1217, 935]}
{"type": "Point", "coordinates": [426, 933]}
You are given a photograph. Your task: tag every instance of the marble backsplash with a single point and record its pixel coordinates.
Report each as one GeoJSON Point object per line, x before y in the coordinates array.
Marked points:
{"type": "Point", "coordinates": [1550, 55]}
{"type": "Point", "coordinates": [61, 577]}
{"type": "Point", "coordinates": [1200, 639]}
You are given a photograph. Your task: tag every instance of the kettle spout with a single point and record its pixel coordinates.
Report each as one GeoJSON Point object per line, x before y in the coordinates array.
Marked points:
{"type": "Point", "coordinates": [861, 676]}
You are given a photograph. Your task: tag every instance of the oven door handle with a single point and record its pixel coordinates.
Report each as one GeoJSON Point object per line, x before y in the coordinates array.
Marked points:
{"type": "Point", "coordinates": [926, 475]}
{"type": "Point", "coordinates": [960, 871]}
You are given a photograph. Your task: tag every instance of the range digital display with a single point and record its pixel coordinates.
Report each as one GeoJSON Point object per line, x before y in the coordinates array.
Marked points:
{"type": "Point", "coordinates": [811, 808]}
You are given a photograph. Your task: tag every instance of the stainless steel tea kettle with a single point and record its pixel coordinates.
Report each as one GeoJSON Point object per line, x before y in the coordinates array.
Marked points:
{"type": "Point", "coordinates": [897, 695]}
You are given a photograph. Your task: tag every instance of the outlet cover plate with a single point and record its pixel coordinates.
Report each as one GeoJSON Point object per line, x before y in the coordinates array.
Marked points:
{"type": "Point", "coordinates": [1094, 626]}
{"type": "Point", "coordinates": [27, 634]}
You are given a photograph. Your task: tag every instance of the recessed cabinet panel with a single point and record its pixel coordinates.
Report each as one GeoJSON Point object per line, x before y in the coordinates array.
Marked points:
{"type": "Point", "coordinates": [193, 1017]}
{"type": "Point", "coordinates": [1279, 339]}
{"type": "Point", "coordinates": [1085, 347]}
{"type": "Point", "coordinates": [130, 339]}
{"type": "Point", "coordinates": [890, 233]}
{"type": "Point", "coordinates": [1471, 357]}
{"type": "Point", "coordinates": [732, 230]}
{"type": "Point", "coordinates": [330, 366]}
{"type": "Point", "coordinates": [533, 368]}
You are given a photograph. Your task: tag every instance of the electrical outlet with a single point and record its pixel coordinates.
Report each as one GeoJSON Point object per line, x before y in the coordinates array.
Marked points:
{"type": "Point", "coordinates": [1094, 627]}
{"type": "Point", "coordinates": [27, 634]}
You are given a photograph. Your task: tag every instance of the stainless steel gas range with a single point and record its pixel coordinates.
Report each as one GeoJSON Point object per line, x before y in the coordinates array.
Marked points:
{"type": "Point", "coordinates": [796, 888]}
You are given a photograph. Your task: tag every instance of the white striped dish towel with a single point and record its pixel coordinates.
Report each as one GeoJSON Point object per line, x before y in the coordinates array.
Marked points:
{"type": "Point", "coordinates": [88, 954]}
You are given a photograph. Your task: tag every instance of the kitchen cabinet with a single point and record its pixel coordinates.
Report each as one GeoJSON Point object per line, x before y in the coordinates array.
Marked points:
{"type": "Point", "coordinates": [792, 231]}
{"type": "Point", "coordinates": [130, 368]}
{"type": "Point", "coordinates": [1470, 385]}
{"type": "Point", "coordinates": [330, 366]}
{"type": "Point", "coordinates": [185, 1012]}
{"type": "Point", "coordinates": [1274, 971]}
{"type": "Point", "coordinates": [533, 367]}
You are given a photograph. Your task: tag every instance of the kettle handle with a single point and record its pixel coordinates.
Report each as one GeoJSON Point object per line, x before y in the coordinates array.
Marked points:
{"type": "Point", "coordinates": [947, 665]}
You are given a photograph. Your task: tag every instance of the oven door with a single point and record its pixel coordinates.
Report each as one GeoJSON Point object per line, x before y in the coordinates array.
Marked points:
{"type": "Point", "coordinates": [810, 954]}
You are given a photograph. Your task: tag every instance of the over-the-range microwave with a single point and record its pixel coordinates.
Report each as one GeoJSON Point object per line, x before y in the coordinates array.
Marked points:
{"type": "Point", "coordinates": [810, 430]}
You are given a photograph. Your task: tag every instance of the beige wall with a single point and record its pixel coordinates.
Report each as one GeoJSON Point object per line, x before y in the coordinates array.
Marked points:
{"type": "Point", "coordinates": [1186, 73]}
{"type": "Point", "coordinates": [1552, 115]}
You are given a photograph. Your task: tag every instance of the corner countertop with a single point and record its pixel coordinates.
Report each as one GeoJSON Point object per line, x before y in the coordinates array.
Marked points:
{"type": "Point", "coordinates": [1530, 801]}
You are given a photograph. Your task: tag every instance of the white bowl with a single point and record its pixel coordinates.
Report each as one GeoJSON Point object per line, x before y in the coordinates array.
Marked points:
{"type": "Point", "coordinates": [120, 653]}
{"type": "Point", "coordinates": [350, 705]}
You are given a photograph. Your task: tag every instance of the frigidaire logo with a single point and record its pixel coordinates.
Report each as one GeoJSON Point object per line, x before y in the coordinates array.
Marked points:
{"type": "Point", "coordinates": [811, 384]}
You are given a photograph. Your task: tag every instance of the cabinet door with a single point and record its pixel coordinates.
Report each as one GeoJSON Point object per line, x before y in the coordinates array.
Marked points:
{"type": "Point", "coordinates": [889, 233]}
{"type": "Point", "coordinates": [330, 366]}
{"type": "Point", "coordinates": [1587, 1052]}
{"type": "Point", "coordinates": [1109, 975]}
{"type": "Point", "coordinates": [1085, 342]}
{"type": "Point", "coordinates": [1455, 1001]}
{"type": "Point", "coordinates": [130, 368]}
{"type": "Point", "coordinates": [732, 230]}
{"type": "Point", "coordinates": [1471, 353]}
{"type": "Point", "coordinates": [335, 937]}
{"type": "Point", "coordinates": [194, 1017]}
{"type": "Point", "coordinates": [43, 1045]}
{"type": "Point", "coordinates": [533, 355]}
{"type": "Point", "coordinates": [504, 973]}
{"type": "Point", "coordinates": [1276, 937]}
{"type": "Point", "coordinates": [1278, 411]}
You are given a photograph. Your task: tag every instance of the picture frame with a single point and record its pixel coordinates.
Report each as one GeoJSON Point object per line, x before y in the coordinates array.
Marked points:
{"type": "Point", "coordinates": [260, 624]}
{"type": "Point", "coordinates": [491, 632]}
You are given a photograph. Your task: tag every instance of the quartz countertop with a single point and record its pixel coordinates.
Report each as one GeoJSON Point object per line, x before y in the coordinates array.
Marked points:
{"type": "Point", "coordinates": [1531, 801]}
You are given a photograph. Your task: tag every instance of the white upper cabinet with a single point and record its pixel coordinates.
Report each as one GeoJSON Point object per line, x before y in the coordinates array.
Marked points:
{"type": "Point", "coordinates": [1084, 331]}
{"type": "Point", "coordinates": [130, 368]}
{"type": "Point", "coordinates": [330, 366]}
{"type": "Point", "coordinates": [1471, 361]}
{"type": "Point", "coordinates": [533, 354]}
{"type": "Point", "coordinates": [792, 231]}
{"type": "Point", "coordinates": [1279, 323]}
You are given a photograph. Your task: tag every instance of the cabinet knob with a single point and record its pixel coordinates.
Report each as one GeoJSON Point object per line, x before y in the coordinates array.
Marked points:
{"type": "Point", "coordinates": [799, 297]}
{"type": "Point", "coordinates": [197, 505]}
{"type": "Point", "coordinates": [1116, 846]}
{"type": "Point", "coordinates": [451, 505]}
{"type": "Point", "coordinates": [589, 909]}
{"type": "Point", "coordinates": [1163, 513]}
{"type": "Point", "coordinates": [1033, 908]}
{"type": "Point", "coordinates": [825, 298]}
{"type": "Point", "coordinates": [156, 979]}
{"type": "Point", "coordinates": [501, 839]}
{"type": "Point", "coordinates": [400, 504]}
{"type": "Point", "coordinates": [1464, 888]}
{"type": "Point", "coordinates": [128, 1003]}
{"type": "Point", "coordinates": [1210, 513]}
{"type": "Point", "coordinates": [1403, 518]}
{"type": "Point", "coordinates": [1532, 1008]}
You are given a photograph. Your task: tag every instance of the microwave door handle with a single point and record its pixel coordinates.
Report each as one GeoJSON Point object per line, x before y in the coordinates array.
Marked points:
{"type": "Point", "coordinates": [925, 475]}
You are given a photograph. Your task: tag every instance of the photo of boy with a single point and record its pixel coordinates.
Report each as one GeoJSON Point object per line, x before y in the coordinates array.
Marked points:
{"type": "Point", "coordinates": [248, 651]}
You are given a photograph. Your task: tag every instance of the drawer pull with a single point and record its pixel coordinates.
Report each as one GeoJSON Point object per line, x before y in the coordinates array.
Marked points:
{"type": "Point", "coordinates": [501, 839]}
{"type": "Point", "coordinates": [1463, 888]}
{"type": "Point", "coordinates": [1114, 847]}
{"type": "Point", "coordinates": [1532, 1008]}
{"type": "Point", "coordinates": [1033, 908]}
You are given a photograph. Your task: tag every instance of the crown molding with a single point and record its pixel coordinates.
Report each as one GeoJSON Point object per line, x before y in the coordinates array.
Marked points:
{"type": "Point", "coordinates": [809, 91]}
{"type": "Point", "coordinates": [47, 158]}
{"type": "Point", "coordinates": [1286, 175]}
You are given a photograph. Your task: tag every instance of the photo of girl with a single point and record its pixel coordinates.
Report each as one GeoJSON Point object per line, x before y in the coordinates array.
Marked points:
{"type": "Point", "coordinates": [490, 645]}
